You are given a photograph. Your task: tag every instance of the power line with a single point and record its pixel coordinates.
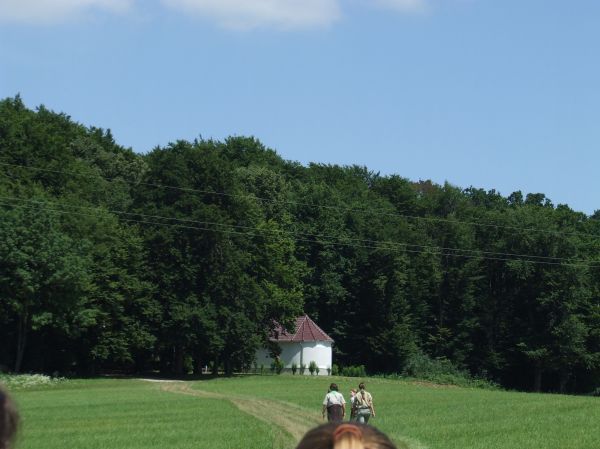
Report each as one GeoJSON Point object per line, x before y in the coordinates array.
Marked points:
{"type": "Point", "coordinates": [339, 208]}
{"type": "Point", "coordinates": [368, 241]}
{"type": "Point", "coordinates": [376, 246]}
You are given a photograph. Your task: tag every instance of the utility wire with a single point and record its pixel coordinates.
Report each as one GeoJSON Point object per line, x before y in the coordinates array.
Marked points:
{"type": "Point", "coordinates": [368, 241]}
{"type": "Point", "coordinates": [377, 246]}
{"type": "Point", "coordinates": [339, 208]}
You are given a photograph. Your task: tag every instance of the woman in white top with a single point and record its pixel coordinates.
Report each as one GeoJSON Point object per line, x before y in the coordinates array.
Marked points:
{"type": "Point", "coordinates": [334, 404]}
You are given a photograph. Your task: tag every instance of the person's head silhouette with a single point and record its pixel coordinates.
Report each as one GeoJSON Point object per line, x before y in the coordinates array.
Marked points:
{"type": "Point", "coordinates": [9, 420]}
{"type": "Point", "coordinates": [345, 436]}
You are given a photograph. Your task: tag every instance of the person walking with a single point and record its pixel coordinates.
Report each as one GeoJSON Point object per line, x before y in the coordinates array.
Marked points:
{"type": "Point", "coordinates": [352, 409]}
{"type": "Point", "coordinates": [363, 405]}
{"type": "Point", "coordinates": [334, 404]}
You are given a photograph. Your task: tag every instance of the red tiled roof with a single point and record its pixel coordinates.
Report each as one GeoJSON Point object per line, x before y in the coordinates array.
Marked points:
{"type": "Point", "coordinates": [306, 330]}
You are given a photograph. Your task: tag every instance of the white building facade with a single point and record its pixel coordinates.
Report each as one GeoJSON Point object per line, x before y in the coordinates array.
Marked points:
{"type": "Point", "coordinates": [309, 343]}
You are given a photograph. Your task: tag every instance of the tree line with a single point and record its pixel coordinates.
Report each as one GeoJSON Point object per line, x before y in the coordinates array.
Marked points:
{"type": "Point", "coordinates": [186, 256]}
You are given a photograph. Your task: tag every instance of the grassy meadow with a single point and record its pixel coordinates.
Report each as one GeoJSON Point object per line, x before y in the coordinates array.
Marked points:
{"type": "Point", "coordinates": [129, 414]}
{"type": "Point", "coordinates": [274, 411]}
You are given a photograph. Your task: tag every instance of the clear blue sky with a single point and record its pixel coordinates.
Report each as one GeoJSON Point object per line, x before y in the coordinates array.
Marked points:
{"type": "Point", "coordinates": [500, 94]}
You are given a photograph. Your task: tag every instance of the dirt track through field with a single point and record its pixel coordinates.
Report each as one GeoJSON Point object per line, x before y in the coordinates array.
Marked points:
{"type": "Point", "coordinates": [292, 421]}
{"type": "Point", "coordinates": [289, 421]}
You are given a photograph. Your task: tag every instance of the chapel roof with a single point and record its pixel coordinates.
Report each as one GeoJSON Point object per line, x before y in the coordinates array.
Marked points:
{"type": "Point", "coordinates": [306, 330]}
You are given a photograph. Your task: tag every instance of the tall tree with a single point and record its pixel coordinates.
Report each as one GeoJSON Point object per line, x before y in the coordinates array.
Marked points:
{"type": "Point", "coordinates": [43, 275]}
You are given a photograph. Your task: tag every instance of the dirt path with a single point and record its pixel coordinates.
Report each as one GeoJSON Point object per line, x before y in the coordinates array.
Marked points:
{"type": "Point", "coordinates": [289, 421]}
{"type": "Point", "coordinates": [292, 421]}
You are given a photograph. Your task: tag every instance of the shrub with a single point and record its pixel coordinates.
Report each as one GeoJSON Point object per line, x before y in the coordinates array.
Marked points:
{"type": "Point", "coordinates": [294, 367]}
{"type": "Point", "coordinates": [335, 370]}
{"type": "Point", "coordinates": [23, 381]}
{"type": "Point", "coordinates": [422, 366]}
{"type": "Point", "coordinates": [354, 371]}
{"type": "Point", "coordinates": [277, 366]}
{"type": "Point", "coordinates": [329, 370]}
{"type": "Point", "coordinates": [188, 364]}
{"type": "Point", "coordinates": [303, 368]}
{"type": "Point", "coordinates": [442, 371]}
{"type": "Point", "coordinates": [312, 367]}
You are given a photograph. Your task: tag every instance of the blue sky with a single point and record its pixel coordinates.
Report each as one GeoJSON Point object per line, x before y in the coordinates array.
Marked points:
{"type": "Point", "coordinates": [500, 94]}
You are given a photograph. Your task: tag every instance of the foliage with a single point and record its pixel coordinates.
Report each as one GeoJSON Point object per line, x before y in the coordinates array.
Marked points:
{"type": "Point", "coordinates": [192, 254]}
{"type": "Point", "coordinates": [277, 366]}
{"type": "Point", "coordinates": [313, 368]}
{"type": "Point", "coordinates": [25, 381]}
{"type": "Point", "coordinates": [441, 371]}
{"type": "Point", "coordinates": [294, 368]}
{"type": "Point", "coordinates": [422, 366]}
{"type": "Point", "coordinates": [353, 371]}
{"type": "Point", "coordinates": [335, 370]}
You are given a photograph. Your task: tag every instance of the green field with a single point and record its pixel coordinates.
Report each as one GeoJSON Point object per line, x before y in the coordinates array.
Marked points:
{"type": "Point", "coordinates": [274, 411]}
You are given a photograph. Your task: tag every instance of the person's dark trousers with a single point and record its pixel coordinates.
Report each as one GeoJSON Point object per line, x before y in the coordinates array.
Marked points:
{"type": "Point", "coordinates": [335, 413]}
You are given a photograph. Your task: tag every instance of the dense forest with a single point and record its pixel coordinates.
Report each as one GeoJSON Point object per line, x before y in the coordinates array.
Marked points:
{"type": "Point", "coordinates": [187, 255]}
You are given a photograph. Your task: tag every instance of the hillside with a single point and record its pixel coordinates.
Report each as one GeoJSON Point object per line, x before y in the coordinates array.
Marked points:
{"type": "Point", "coordinates": [185, 256]}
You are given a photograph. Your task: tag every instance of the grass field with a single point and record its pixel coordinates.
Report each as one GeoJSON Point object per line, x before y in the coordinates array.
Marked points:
{"type": "Point", "coordinates": [274, 411]}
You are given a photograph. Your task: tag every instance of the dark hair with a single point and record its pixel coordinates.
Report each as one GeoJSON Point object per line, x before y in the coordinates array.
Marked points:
{"type": "Point", "coordinates": [9, 420]}
{"type": "Point", "coordinates": [345, 436]}
{"type": "Point", "coordinates": [361, 386]}
{"type": "Point", "coordinates": [333, 387]}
